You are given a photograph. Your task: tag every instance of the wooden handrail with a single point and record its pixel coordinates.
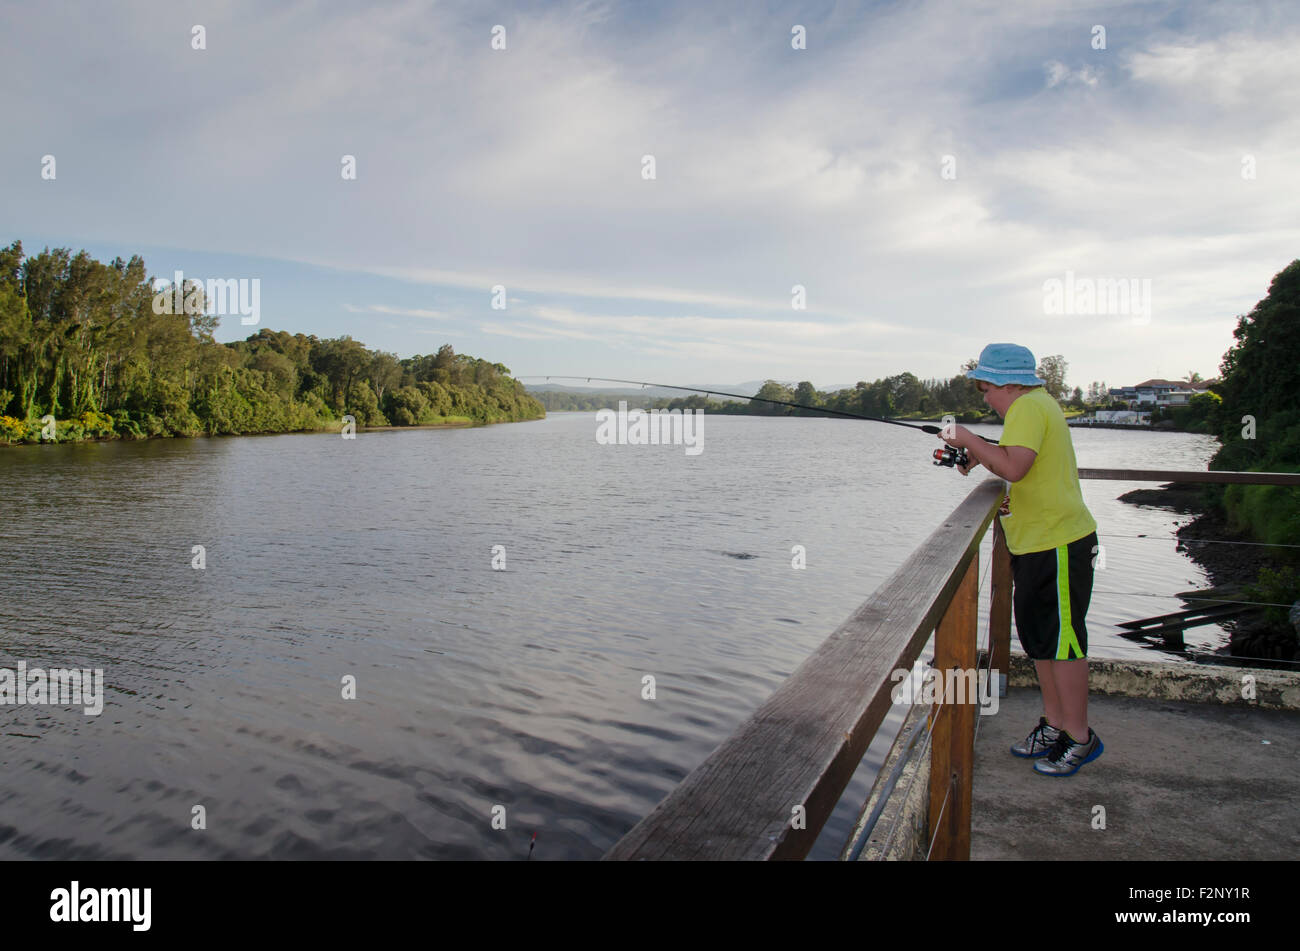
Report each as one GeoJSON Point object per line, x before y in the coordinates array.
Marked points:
{"type": "Point", "coordinates": [1155, 475]}
{"type": "Point", "coordinates": [766, 792]}
{"type": "Point", "coordinates": [768, 789]}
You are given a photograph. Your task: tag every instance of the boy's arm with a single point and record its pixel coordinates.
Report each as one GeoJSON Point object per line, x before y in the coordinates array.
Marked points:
{"type": "Point", "coordinates": [1008, 462]}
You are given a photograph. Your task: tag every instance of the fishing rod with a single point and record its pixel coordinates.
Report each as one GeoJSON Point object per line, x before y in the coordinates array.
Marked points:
{"type": "Point", "coordinates": [948, 456]}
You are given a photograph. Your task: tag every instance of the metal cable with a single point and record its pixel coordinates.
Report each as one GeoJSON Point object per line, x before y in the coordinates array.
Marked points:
{"type": "Point", "coordinates": [1204, 541]}
{"type": "Point", "coordinates": [988, 656]}
{"type": "Point", "coordinates": [904, 755]}
{"type": "Point", "coordinates": [929, 735]}
{"type": "Point", "coordinates": [939, 821]}
{"type": "Point", "coordinates": [933, 719]}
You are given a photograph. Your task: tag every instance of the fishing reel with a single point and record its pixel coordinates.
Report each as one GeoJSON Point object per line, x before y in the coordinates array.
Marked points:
{"type": "Point", "coordinates": [951, 456]}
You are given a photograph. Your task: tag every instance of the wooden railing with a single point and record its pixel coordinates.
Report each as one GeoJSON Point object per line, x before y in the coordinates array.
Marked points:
{"type": "Point", "coordinates": [766, 792]}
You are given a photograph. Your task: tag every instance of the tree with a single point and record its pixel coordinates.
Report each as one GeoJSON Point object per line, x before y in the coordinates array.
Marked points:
{"type": "Point", "coordinates": [407, 406]}
{"type": "Point", "coordinates": [343, 362]}
{"type": "Point", "coordinates": [1258, 422]}
{"type": "Point", "coordinates": [1193, 377]}
{"type": "Point", "coordinates": [772, 390]}
{"type": "Point", "coordinates": [1261, 375]}
{"type": "Point", "coordinates": [906, 391]}
{"type": "Point", "coordinates": [1052, 371]}
{"type": "Point", "coordinates": [1205, 409]}
{"type": "Point", "coordinates": [806, 394]}
{"type": "Point", "coordinates": [82, 340]}
{"type": "Point", "coordinates": [385, 372]}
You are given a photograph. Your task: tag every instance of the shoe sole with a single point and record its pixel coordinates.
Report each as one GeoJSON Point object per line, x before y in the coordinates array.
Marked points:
{"type": "Point", "coordinates": [1031, 755]}
{"type": "Point", "coordinates": [1092, 756]}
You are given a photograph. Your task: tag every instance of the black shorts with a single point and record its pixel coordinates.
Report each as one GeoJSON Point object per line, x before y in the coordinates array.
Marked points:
{"type": "Point", "coordinates": [1050, 594]}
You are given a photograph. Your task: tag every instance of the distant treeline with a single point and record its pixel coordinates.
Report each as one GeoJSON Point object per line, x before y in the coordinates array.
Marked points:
{"type": "Point", "coordinates": [80, 341]}
{"type": "Point", "coordinates": [901, 395]}
{"type": "Point", "coordinates": [564, 401]}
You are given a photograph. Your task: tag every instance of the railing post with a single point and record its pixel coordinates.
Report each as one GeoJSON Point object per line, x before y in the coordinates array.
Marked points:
{"type": "Point", "coordinates": [1000, 610]}
{"type": "Point", "coordinates": [952, 750]}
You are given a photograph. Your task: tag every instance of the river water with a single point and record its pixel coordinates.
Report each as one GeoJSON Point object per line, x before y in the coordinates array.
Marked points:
{"type": "Point", "coordinates": [330, 562]}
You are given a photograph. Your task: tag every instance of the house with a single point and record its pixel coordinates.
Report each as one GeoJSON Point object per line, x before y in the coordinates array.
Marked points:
{"type": "Point", "coordinates": [1161, 394]}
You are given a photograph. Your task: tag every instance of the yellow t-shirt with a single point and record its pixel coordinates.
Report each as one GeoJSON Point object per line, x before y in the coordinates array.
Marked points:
{"type": "Point", "coordinates": [1047, 508]}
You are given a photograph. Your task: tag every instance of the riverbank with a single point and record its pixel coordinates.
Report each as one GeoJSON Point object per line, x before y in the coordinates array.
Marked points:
{"type": "Point", "coordinates": [32, 437]}
{"type": "Point", "coordinates": [1229, 558]}
{"type": "Point", "coordinates": [1232, 560]}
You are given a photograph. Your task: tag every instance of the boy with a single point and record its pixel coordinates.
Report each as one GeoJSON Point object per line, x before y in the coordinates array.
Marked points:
{"type": "Point", "coordinates": [1052, 538]}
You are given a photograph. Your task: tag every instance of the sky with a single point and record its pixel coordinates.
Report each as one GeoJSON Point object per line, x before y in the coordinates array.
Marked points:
{"type": "Point", "coordinates": [639, 190]}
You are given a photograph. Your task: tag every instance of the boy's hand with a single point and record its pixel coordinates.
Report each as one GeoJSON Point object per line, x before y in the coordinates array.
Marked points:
{"type": "Point", "coordinates": [961, 438]}
{"type": "Point", "coordinates": [958, 436]}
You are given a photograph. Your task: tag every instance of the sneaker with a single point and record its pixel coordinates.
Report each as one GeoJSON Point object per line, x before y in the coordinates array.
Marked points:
{"type": "Point", "coordinates": [1066, 756]}
{"type": "Point", "coordinates": [1039, 742]}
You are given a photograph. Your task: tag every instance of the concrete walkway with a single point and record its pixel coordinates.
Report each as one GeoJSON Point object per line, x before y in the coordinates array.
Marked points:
{"type": "Point", "coordinates": [1178, 780]}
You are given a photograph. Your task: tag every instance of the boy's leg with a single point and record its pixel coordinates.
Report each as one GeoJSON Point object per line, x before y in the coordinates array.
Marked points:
{"type": "Point", "coordinates": [1051, 697]}
{"type": "Point", "coordinates": [1070, 680]}
{"type": "Point", "coordinates": [1071, 672]}
{"type": "Point", "coordinates": [1052, 592]}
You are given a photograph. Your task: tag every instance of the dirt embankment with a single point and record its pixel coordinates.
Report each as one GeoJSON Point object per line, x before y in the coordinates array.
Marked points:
{"type": "Point", "coordinates": [1203, 537]}
{"type": "Point", "coordinates": [1208, 541]}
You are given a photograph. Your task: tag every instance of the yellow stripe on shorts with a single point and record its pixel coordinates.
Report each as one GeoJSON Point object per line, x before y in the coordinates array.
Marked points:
{"type": "Point", "coordinates": [1065, 638]}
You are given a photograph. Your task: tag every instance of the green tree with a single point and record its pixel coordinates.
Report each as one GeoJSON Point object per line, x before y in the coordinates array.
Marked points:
{"type": "Point", "coordinates": [1052, 370]}
{"type": "Point", "coordinates": [407, 406]}
{"type": "Point", "coordinates": [385, 371]}
{"type": "Point", "coordinates": [806, 394]}
{"type": "Point", "coordinates": [905, 392]}
{"type": "Point", "coordinates": [1259, 426]}
{"type": "Point", "coordinates": [772, 390]}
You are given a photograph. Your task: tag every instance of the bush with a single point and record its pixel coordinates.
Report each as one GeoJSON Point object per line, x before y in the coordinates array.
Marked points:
{"type": "Point", "coordinates": [69, 430]}
{"type": "Point", "coordinates": [96, 425]}
{"type": "Point", "coordinates": [125, 426]}
{"type": "Point", "coordinates": [1270, 513]}
{"type": "Point", "coordinates": [12, 430]}
{"type": "Point", "coordinates": [152, 425]}
{"type": "Point", "coordinates": [1276, 587]}
{"type": "Point", "coordinates": [362, 404]}
{"type": "Point", "coordinates": [407, 406]}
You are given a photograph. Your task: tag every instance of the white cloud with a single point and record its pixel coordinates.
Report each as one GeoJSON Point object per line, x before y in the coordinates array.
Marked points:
{"type": "Point", "coordinates": [775, 167]}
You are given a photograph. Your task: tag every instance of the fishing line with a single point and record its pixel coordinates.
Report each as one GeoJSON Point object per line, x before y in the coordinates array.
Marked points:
{"type": "Point", "coordinates": [949, 456]}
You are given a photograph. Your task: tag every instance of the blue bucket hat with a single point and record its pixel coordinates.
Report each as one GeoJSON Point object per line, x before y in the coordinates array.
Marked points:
{"type": "Point", "coordinates": [1003, 363]}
